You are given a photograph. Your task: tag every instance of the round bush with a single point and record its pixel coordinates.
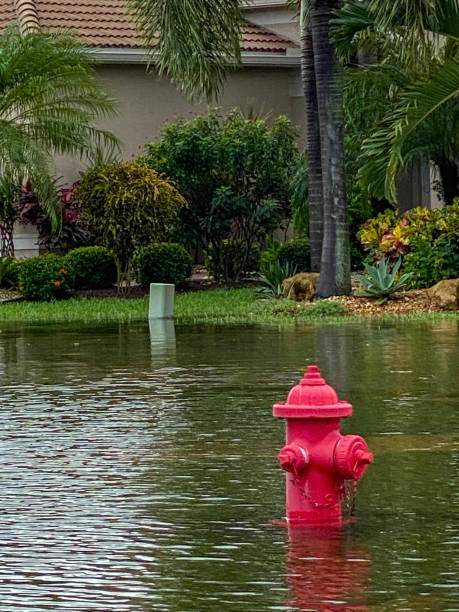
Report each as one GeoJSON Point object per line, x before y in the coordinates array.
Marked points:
{"type": "Point", "coordinates": [165, 262]}
{"type": "Point", "coordinates": [43, 278]}
{"type": "Point", "coordinates": [297, 254]}
{"type": "Point", "coordinates": [91, 268]}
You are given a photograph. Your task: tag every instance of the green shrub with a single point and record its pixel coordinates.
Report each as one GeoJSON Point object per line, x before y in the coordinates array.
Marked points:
{"type": "Point", "coordinates": [43, 278]}
{"type": "Point", "coordinates": [235, 174]}
{"type": "Point", "coordinates": [271, 278]}
{"type": "Point", "coordinates": [430, 262]}
{"type": "Point", "coordinates": [296, 253]}
{"type": "Point", "coordinates": [127, 206]}
{"type": "Point", "coordinates": [270, 255]}
{"type": "Point", "coordinates": [165, 262]}
{"type": "Point", "coordinates": [426, 239]}
{"type": "Point", "coordinates": [9, 272]}
{"type": "Point", "coordinates": [359, 211]}
{"type": "Point", "coordinates": [90, 268]}
{"type": "Point", "coordinates": [230, 259]}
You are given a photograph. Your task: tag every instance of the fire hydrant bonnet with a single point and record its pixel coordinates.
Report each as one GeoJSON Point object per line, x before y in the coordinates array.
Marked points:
{"type": "Point", "coordinates": [312, 398]}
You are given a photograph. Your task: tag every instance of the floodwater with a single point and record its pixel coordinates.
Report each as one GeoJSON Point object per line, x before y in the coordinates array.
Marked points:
{"type": "Point", "coordinates": [140, 473]}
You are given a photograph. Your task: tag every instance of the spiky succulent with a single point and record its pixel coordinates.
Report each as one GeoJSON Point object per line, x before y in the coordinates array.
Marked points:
{"type": "Point", "coordinates": [380, 282]}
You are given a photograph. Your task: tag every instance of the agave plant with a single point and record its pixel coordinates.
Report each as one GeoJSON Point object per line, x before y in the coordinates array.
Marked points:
{"type": "Point", "coordinates": [380, 282]}
{"type": "Point", "coordinates": [272, 276]}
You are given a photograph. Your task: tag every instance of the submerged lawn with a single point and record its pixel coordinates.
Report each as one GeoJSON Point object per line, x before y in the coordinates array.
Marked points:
{"type": "Point", "coordinates": [219, 306]}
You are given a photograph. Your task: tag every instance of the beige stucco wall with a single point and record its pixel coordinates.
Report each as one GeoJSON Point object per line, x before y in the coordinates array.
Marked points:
{"type": "Point", "coordinates": [146, 103]}
{"type": "Point", "coordinates": [277, 19]}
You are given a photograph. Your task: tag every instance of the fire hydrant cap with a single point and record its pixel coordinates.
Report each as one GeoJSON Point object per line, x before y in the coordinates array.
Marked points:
{"type": "Point", "coordinates": [352, 457]}
{"type": "Point", "coordinates": [312, 398]}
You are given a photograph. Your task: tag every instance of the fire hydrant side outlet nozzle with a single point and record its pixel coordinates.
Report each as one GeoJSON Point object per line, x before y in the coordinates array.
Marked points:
{"type": "Point", "coordinates": [318, 456]}
{"type": "Point", "coordinates": [352, 457]}
{"type": "Point", "coordinates": [293, 458]}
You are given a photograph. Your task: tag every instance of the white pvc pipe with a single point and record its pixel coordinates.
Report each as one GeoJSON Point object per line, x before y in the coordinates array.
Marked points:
{"type": "Point", "coordinates": [161, 301]}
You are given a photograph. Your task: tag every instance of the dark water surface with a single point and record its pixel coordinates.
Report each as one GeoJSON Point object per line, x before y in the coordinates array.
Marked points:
{"type": "Point", "coordinates": [142, 476]}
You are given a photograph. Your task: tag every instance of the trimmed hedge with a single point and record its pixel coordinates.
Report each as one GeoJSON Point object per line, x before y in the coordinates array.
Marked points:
{"type": "Point", "coordinates": [165, 262]}
{"type": "Point", "coordinates": [91, 268]}
{"type": "Point", "coordinates": [43, 278]}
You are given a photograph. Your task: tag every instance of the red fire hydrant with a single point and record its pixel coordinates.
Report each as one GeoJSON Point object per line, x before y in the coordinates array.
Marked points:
{"type": "Point", "coordinates": [317, 458]}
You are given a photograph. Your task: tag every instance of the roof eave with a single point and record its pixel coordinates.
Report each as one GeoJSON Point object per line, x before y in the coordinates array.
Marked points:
{"type": "Point", "coordinates": [120, 55]}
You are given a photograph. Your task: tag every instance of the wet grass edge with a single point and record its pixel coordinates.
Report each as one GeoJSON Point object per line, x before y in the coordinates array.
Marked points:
{"type": "Point", "coordinates": [220, 306]}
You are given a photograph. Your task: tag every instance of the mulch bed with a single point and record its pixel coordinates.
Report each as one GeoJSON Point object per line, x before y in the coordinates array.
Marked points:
{"type": "Point", "coordinates": [404, 302]}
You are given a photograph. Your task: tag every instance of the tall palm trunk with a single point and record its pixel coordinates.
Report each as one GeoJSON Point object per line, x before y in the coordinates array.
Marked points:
{"type": "Point", "coordinates": [312, 148]}
{"type": "Point", "coordinates": [335, 265]}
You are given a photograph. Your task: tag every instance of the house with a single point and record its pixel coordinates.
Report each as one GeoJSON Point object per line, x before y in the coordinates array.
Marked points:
{"type": "Point", "coordinates": [269, 80]}
{"type": "Point", "coordinates": [270, 66]}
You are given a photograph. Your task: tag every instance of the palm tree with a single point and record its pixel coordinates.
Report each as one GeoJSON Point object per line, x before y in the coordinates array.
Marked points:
{"type": "Point", "coordinates": [335, 269]}
{"type": "Point", "coordinates": [419, 41]}
{"type": "Point", "coordinates": [49, 102]}
{"type": "Point", "coordinates": [314, 169]}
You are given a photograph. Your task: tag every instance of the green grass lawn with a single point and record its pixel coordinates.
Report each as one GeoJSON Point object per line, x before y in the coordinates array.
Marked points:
{"type": "Point", "coordinates": [219, 306]}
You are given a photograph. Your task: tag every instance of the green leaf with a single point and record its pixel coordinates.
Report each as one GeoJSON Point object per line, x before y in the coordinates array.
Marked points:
{"type": "Point", "coordinates": [196, 42]}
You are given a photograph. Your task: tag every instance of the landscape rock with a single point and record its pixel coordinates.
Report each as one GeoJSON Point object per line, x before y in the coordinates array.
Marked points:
{"type": "Point", "coordinates": [7, 296]}
{"type": "Point", "coordinates": [301, 287]}
{"type": "Point", "coordinates": [445, 294]}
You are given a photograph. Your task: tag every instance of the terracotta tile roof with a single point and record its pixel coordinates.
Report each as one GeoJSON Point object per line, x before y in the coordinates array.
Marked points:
{"type": "Point", "coordinates": [106, 23]}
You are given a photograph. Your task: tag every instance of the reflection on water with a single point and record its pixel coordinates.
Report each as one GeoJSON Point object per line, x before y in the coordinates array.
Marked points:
{"type": "Point", "coordinates": [140, 473]}
{"type": "Point", "coordinates": [162, 337]}
{"type": "Point", "coordinates": [328, 569]}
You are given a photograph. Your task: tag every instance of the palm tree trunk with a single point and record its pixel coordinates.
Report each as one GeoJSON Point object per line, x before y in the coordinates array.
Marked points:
{"type": "Point", "coordinates": [313, 149]}
{"type": "Point", "coordinates": [335, 276]}
{"type": "Point", "coordinates": [6, 239]}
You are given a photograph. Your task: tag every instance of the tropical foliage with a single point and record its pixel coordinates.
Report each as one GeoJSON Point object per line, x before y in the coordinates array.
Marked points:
{"type": "Point", "coordinates": [271, 278]}
{"type": "Point", "coordinates": [72, 233]}
{"type": "Point", "coordinates": [296, 253]}
{"type": "Point", "coordinates": [50, 101]}
{"type": "Point", "coordinates": [197, 42]}
{"type": "Point", "coordinates": [127, 206]}
{"type": "Point", "coordinates": [426, 240]}
{"type": "Point", "coordinates": [380, 281]}
{"type": "Point", "coordinates": [235, 173]}
{"type": "Point", "coordinates": [406, 90]}
{"type": "Point", "coordinates": [8, 272]}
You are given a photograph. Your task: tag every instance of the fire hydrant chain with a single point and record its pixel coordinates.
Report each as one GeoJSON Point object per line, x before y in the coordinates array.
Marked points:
{"type": "Point", "coordinates": [333, 498]}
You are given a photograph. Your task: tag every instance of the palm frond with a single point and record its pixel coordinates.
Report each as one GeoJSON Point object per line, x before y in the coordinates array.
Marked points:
{"type": "Point", "coordinates": [50, 101]}
{"type": "Point", "coordinates": [351, 22]}
{"type": "Point", "coordinates": [382, 152]}
{"type": "Point", "coordinates": [195, 42]}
